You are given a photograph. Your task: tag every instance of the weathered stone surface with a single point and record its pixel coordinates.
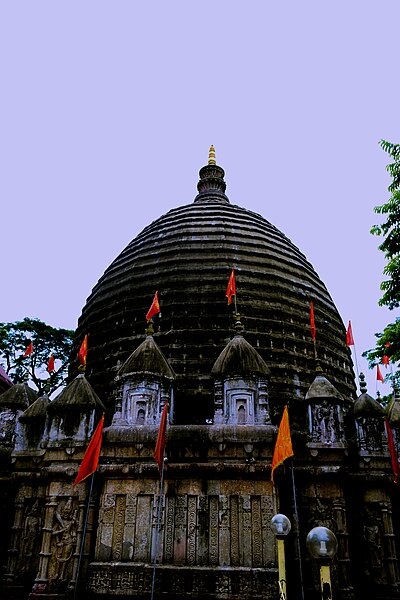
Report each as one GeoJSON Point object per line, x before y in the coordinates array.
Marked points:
{"type": "Point", "coordinates": [187, 255]}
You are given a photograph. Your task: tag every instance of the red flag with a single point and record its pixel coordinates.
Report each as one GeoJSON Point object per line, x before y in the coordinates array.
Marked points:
{"type": "Point", "coordinates": [50, 366]}
{"type": "Point", "coordinates": [161, 439]}
{"type": "Point", "coordinates": [379, 376]}
{"type": "Point", "coordinates": [82, 354]}
{"type": "Point", "coordinates": [283, 445]}
{"type": "Point", "coordinates": [29, 350]}
{"type": "Point", "coordinates": [231, 289]}
{"type": "Point", "coordinates": [349, 336]}
{"type": "Point", "coordinates": [313, 329]}
{"type": "Point", "coordinates": [393, 453]}
{"type": "Point", "coordinates": [154, 308]}
{"type": "Point", "coordinates": [385, 360]}
{"type": "Point", "coordinates": [91, 457]}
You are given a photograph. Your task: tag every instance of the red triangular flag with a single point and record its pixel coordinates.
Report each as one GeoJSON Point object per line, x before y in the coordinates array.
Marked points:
{"type": "Point", "coordinates": [29, 350]}
{"type": "Point", "coordinates": [154, 308]}
{"type": "Point", "coordinates": [82, 354]}
{"type": "Point", "coordinates": [313, 329]}
{"type": "Point", "coordinates": [393, 453]}
{"type": "Point", "coordinates": [283, 445]}
{"type": "Point", "coordinates": [231, 289]}
{"type": "Point", "coordinates": [91, 457]}
{"type": "Point", "coordinates": [379, 376]}
{"type": "Point", "coordinates": [349, 336]}
{"type": "Point", "coordinates": [161, 439]}
{"type": "Point", "coordinates": [50, 365]}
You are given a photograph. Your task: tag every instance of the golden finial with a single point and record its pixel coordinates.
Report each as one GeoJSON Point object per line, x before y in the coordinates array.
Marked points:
{"type": "Point", "coordinates": [211, 156]}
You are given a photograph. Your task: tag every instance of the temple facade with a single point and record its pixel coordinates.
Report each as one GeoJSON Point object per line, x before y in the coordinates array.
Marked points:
{"type": "Point", "coordinates": [201, 528]}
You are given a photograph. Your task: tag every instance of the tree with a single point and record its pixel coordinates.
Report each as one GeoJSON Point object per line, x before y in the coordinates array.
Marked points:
{"type": "Point", "coordinates": [47, 341]}
{"type": "Point", "coordinates": [388, 341]}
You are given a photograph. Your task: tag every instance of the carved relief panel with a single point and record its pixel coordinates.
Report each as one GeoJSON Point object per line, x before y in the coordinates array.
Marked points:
{"type": "Point", "coordinates": [371, 435]}
{"type": "Point", "coordinates": [326, 424]}
{"type": "Point", "coordinates": [214, 530]}
{"type": "Point", "coordinates": [63, 541]}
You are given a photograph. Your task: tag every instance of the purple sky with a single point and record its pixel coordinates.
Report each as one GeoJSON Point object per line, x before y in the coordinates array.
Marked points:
{"type": "Point", "coordinates": [108, 110]}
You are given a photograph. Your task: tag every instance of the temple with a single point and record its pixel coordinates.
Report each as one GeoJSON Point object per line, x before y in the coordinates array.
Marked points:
{"type": "Point", "coordinates": [226, 372]}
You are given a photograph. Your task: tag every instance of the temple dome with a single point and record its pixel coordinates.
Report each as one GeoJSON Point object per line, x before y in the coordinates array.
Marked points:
{"type": "Point", "coordinates": [147, 358]}
{"type": "Point", "coordinates": [239, 358]}
{"type": "Point", "coordinates": [187, 255]}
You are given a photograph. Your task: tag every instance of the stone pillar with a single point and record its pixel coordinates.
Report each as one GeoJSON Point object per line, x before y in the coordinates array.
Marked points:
{"type": "Point", "coordinates": [41, 581]}
{"type": "Point", "coordinates": [13, 552]}
{"type": "Point", "coordinates": [343, 556]}
{"type": "Point", "coordinates": [218, 402]}
{"type": "Point", "coordinates": [389, 551]}
{"type": "Point", "coordinates": [80, 532]}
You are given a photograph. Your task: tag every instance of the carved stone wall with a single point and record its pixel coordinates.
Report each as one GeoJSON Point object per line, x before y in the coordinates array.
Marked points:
{"type": "Point", "coordinates": [228, 526]}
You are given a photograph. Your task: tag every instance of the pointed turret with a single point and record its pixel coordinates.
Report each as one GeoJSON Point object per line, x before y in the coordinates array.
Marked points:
{"type": "Point", "coordinates": [30, 429]}
{"type": "Point", "coordinates": [394, 408]}
{"type": "Point", "coordinates": [325, 412]}
{"type": "Point", "coordinates": [144, 385]}
{"type": "Point", "coordinates": [72, 413]}
{"type": "Point", "coordinates": [369, 414]}
{"type": "Point", "coordinates": [12, 404]}
{"type": "Point", "coordinates": [241, 383]}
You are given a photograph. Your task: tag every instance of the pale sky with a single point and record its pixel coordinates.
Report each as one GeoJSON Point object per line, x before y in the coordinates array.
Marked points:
{"type": "Point", "coordinates": [108, 110]}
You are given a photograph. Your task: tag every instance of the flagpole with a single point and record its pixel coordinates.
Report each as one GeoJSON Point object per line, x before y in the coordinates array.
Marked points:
{"type": "Point", "coordinates": [355, 361]}
{"type": "Point", "coordinates": [83, 536]}
{"type": "Point", "coordinates": [157, 530]}
{"type": "Point", "coordinates": [236, 312]}
{"type": "Point", "coordinates": [298, 533]}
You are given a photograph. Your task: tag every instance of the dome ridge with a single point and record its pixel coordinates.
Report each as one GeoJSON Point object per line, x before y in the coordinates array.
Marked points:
{"type": "Point", "coordinates": [187, 255]}
{"type": "Point", "coordinates": [147, 358]}
{"type": "Point", "coordinates": [239, 357]}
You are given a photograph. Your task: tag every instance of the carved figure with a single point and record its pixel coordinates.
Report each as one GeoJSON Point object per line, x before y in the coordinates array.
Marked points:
{"type": "Point", "coordinates": [372, 433]}
{"type": "Point", "coordinates": [373, 546]}
{"type": "Point", "coordinates": [30, 536]}
{"type": "Point", "coordinates": [64, 531]}
{"type": "Point", "coordinates": [325, 423]}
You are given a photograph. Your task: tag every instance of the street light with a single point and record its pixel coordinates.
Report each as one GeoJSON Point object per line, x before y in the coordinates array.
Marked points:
{"type": "Point", "coordinates": [322, 545]}
{"type": "Point", "coordinates": [281, 526]}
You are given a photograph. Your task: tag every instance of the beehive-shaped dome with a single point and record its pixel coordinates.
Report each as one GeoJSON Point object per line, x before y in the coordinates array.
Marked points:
{"type": "Point", "coordinates": [187, 255]}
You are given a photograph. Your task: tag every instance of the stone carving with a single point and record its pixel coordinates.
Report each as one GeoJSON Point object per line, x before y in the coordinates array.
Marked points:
{"type": "Point", "coordinates": [30, 538]}
{"type": "Point", "coordinates": [169, 530]}
{"type": "Point", "coordinates": [325, 419]}
{"type": "Point", "coordinates": [373, 545]}
{"type": "Point", "coordinates": [325, 423]}
{"type": "Point", "coordinates": [64, 536]}
{"type": "Point", "coordinates": [370, 434]}
{"type": "Point", "coordinates": [213, 533]}
{"type": "Point", "coordinates": [191, 533]}
{"type": "Point", "coordinates": [321, 514]}
{"type": "Point", "coordinates": [120, 579]}
{"type": "Point", "coordinates": [118, 532]}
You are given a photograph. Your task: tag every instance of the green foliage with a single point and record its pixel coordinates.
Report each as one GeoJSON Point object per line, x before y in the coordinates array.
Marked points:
{"type": "Point", "coordinates": [388, 342]}
{"type": "Point", "coordinates": [47, 340]}
{"type": "Point", "coordinates": [390, 231]}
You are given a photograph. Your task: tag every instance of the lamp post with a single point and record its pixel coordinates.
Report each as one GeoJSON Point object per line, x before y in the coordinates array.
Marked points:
{"type": "Point", "coordinates": [322, 545]}
{"type": "Point", "coordinates": [281, 526]}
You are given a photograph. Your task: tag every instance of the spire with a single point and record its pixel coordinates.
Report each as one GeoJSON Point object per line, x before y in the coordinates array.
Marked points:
{"type": "Point", "coordinates": [238, 327]}
{"type": "Point", "coordinates": [150, 327]}
{"type": "Point", "coordinates": [363, 385]}
{"type": "Point", "coordinates": [211, 185]}
{"type": "Point", "coordinates": [211, 156]}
